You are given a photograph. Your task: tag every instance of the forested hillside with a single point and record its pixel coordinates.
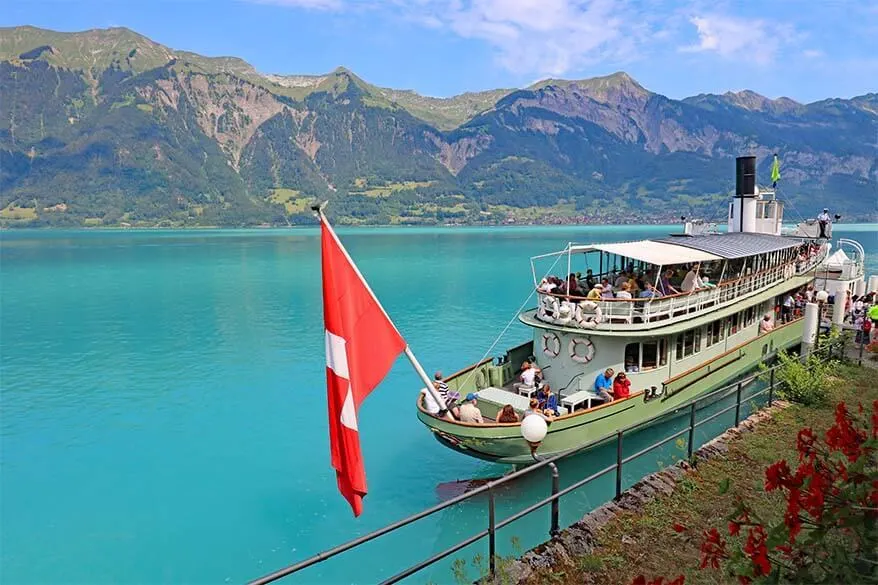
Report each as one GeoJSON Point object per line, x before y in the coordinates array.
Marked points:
{"type": "Point", "coordinates": [106, 127]}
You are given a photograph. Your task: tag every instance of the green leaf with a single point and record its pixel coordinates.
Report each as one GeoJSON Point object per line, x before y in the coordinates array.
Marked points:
{"type": "Point", "coordinates": [724, 485]}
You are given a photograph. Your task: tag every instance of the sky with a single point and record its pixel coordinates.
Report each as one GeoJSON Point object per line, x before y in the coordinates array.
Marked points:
{"type": "Point", "coordinates": [803, 49]}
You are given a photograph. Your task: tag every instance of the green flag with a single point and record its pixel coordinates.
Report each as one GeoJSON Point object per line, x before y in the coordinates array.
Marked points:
{"type": "Point", "coordinates": [775, 172]}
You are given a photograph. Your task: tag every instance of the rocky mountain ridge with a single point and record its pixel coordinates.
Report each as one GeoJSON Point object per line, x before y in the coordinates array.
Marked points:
{"type": "Point", "coordinates": [120, 129]}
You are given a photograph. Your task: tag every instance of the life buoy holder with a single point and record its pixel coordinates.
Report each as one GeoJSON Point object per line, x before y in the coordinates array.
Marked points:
{"type": "Point", "coordinates": [551, 345]}
{"type": "Point", "coordinates": [588, 315]}
{"type": "Point", "coordinates": [586, 355]}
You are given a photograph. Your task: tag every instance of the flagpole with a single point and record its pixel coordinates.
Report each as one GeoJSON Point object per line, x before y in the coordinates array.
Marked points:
{"type": "Point", "coordinates": [318, 209]}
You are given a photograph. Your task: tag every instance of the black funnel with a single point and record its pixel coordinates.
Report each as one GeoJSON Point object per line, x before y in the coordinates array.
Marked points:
{"type": "Point", "coordinates": [745, 176]}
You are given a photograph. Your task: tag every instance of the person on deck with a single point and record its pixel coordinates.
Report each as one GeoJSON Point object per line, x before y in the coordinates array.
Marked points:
{"type": "Point", "coordinates": [624, 292]}
{"type": "Point", "coordinates": [589, 279]}
{"type": "Point", "coordinates": [621, 386]}
{"type": "Point", "coordinates": [595, 293]}
{"type": "Point", "coordinates": [691, 281]}
{"type": "Point", "coordinates": [603, 385]}
{"type": "Point", "coordinates": [824, 220]}
{"type": "Point", "coordinates": [786, 309]}
{"type": "Point", "coordinates": [448, 397]}
{"type": "Point", "coordinates": [429, 402]}
{"type": "Point", "coordinates": [665, 283]}
{"type": "Point", "coordinates": [469, 411]}
{"type": "Point", "coordinates": [766, 324]}
{"type": "Point", "coordinates": [534, 408]}
{"type": "Point", "coordinates": [621, 279]}
{"type": "Point", "coordinates": [650, 292]}
{"type": "Point", "coordinates": [507, 415]}
{"type": "Point", "coordinates": [606, 289]}
{"type": "Point", "coordinates": [547, 400]}
{"type": "Point", "coordinates": [528, 377]}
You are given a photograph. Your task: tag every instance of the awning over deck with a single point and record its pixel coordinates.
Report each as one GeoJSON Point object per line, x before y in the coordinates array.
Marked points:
{"type": "Point", "coordinates": [735, 245]}
{"type": "Point", "coordinates": [652, 252]}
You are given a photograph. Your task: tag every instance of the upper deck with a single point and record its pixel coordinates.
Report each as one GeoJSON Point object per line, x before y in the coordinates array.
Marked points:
{"type": "Point", "coordinates": [689, 276]}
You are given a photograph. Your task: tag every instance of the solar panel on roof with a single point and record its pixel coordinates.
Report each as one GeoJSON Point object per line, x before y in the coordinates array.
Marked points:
{"type": "Point", "coordinates": [735, 245]}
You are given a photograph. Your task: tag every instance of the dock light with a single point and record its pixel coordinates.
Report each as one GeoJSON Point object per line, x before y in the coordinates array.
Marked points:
{"type": "Point", "coordinates": [534, 429]}
{"type": "Point", "coordinates": [822, 296]}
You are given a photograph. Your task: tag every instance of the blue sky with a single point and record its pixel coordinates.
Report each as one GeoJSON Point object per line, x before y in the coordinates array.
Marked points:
{"type": "Point", "coordinates": [806, 50]}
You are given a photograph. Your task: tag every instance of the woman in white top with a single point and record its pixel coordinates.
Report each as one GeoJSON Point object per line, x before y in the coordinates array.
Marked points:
{"type": "Point", "coordinates": [624, 294]}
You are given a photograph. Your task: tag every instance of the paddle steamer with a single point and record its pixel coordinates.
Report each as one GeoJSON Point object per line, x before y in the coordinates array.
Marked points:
{"type": "Point", "coordinates": [672, 348]}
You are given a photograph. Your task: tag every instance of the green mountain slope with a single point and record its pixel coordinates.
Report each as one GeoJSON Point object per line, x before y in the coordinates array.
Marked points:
{"type": "Point", "coordinates": [106, 127]}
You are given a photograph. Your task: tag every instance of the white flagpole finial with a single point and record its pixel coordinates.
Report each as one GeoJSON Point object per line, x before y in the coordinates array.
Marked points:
{"type": "Point", "coordinates": [318, 208]}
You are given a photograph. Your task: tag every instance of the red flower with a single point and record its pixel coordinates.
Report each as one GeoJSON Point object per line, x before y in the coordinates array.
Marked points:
{"type": "Point", "coordinates": [639, 580]}
{"type": "Point", "coordinates": [757, 551]}
{"type": "Point", "coordinates": [744, 580]}
{"type": "Point", "coordinates": [712, 549]}
{"type": "Point", "coordinates": [791, 517]}
{"type": "Point", "coordinates": [777, 475]}
{"type": "Point", "coordinates": [805, 443]}
{"type": "Point", "coordinates": [679, 527]}
{"type": "Point", "coordinates": [734, 528]}
{"type": "Point", "coordinates": [680, 580]}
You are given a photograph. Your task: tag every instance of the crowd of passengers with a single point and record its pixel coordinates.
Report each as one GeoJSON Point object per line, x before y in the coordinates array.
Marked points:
{"type": "Point", "coordinates": [543, 403]}
{"type": "Point", "coordinates": [630, 283]}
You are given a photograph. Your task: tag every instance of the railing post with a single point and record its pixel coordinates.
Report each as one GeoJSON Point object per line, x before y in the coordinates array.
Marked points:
{"type": "Point", "coordinates": [555, 528]}
{"type": "Point", "coordinates": [738, 404]}
{"type": "Point", "coordinates": [691, 431]}
{"type": "Point", "coordinates": [492, 552]}
{"type": "Point", "coordinates": [771, 388]}
{"type": "Point", "coordinates": [618, 464]}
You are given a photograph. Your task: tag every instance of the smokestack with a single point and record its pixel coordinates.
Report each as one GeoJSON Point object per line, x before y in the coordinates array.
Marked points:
{"type": "Point", "coordinates": [745, 176]}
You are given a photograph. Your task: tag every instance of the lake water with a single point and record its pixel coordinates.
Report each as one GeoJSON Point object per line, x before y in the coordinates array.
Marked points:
{"type": "Point", "coordinates": [163, 416]}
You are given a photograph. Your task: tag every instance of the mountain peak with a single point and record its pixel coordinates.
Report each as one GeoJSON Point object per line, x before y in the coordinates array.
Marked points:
{"type": "Point", "coordinates": [605, 89]}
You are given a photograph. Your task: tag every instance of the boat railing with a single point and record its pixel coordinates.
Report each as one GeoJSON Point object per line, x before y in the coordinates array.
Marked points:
{"type": "Point", "coordinates": [575, 311]}
{"type": "Point", "coordinates": [831, 348]}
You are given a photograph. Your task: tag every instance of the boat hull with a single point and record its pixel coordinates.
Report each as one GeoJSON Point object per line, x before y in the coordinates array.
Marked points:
{"type": "Point", "coordinates": [503, 443]}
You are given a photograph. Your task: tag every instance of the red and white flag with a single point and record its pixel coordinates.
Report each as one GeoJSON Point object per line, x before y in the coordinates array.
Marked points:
{"type": "Point", "coordinates": [361, 346]}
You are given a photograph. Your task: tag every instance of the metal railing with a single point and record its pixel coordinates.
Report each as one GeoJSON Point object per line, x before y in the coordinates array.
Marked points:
{"type": "Point", "coordinates": [829, 349]}
{"type": "Point", "coordinates": [666, 309]}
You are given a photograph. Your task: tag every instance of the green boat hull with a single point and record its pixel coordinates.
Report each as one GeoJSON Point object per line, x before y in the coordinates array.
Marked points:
{"type": "Point", "coordinates": [502, 443]}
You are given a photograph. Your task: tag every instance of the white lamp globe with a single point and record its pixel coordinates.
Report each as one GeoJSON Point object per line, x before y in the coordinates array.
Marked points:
{"type": "Point", "coordinates": [822, 296]}
{"type": "Point", "coordinates": [534, 428]}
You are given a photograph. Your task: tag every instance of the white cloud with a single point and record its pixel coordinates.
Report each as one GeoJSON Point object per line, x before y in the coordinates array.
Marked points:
{"type": "Point", "coordinates": [542, 37]}
{"type": "Point", "coordinates": [812, 53]}
{"type": "Point", "coordinates": [732, 37]}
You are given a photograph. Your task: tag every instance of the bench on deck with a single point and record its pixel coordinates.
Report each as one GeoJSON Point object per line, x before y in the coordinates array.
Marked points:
{"type": "Point", "coordinates": [502, 397]}
{"type": "Point", "coordinates": [586, 397]}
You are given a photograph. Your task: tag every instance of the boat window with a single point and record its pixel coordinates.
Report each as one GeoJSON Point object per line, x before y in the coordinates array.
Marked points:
{"type": "Point", "coordinates": [688, 343]}
{"type": "Point", "coordinates": [654, 354]}
{"type": "Point", "coordinates": [734, 323]}
{"type": "Point", "coordinates": [632, 357]}
{"type": "Point", "coordinates": [715, 332]}
{"type": "Point", "coordinates": [749, 316]}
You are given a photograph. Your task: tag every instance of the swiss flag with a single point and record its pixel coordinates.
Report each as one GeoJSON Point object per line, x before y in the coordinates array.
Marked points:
{"type": "Point", "coordinates": [361, 345]}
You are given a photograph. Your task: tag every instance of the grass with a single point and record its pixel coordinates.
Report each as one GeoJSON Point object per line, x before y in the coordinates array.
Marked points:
{"type": "Point", "coordinates": [290, 199]}
{"type": "Point", "coordinates": [645, 543]}
{"type": "Point", "coordinates": [388, 189]}
{"type": "Point", "coordinates": [18, 213]}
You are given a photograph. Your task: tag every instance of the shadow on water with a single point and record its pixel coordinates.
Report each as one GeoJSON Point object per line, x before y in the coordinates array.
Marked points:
{"type": "Point", "coordinates": [448, 527]}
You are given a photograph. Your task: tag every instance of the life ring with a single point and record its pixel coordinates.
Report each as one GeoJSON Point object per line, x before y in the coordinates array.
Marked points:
{"type": "Point", "coordinates": [544, 311]}
{"type": "Point", "coordinates": [564, 312]}
{"type": "Point", "coordinates": [588, 354]}
{"type": "Point", "coordinates": [551, 345]}
{"type": "Point", "coordinates": [588, 315]}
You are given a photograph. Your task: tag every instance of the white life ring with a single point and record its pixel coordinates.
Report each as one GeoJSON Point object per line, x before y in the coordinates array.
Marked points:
{"type": "Point", "coordinates": [551, 345]}
{"type": "Point", "coordinates": [588, 315]}
{"type": "Point", "coordinates": [565, 312]}
{"type": "Point", "coordinates": [587, 355]}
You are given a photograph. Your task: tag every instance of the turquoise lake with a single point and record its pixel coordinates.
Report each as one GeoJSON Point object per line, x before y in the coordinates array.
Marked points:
{"type": "Point", "coordinates": [163, 413]}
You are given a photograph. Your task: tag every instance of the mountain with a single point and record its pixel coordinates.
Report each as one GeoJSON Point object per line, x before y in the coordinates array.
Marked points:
{"type": "Point", "coordinates": [106, 127]}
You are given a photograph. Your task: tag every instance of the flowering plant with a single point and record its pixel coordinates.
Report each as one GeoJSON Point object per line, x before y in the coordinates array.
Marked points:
{"type": "Point", "coordinates": [829, 530]}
